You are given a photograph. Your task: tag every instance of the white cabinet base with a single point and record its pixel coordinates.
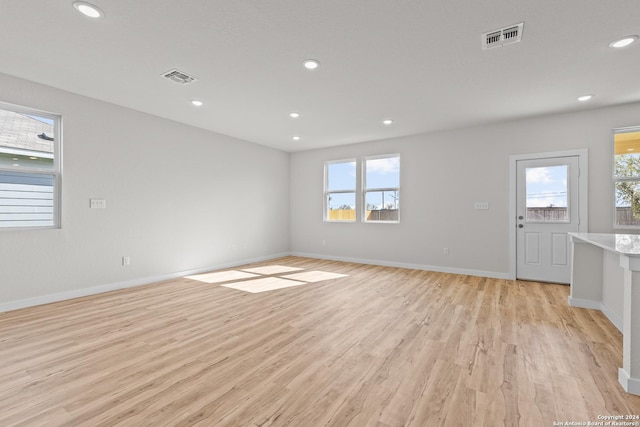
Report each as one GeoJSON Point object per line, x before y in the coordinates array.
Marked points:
{"type": "Point", "coordinates": [595, 278]}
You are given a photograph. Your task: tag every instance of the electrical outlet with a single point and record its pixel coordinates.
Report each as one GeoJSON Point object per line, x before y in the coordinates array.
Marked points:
{"type": "Point", "coordinates": [482, 205]}
{"type": "Point", "coordinates": [126, 260]}
{"type": "Point", "coordinates": [97, 203]}
{"type": "Point", "coordinates": [445, 251]}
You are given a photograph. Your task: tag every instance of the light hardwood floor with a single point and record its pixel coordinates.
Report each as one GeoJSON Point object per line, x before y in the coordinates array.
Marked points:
{"type": "Point", "coordinates": [378, 347]}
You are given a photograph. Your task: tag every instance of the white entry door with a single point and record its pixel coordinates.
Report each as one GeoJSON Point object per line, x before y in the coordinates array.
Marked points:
{"type": "Point", "coordinates": [547, 209]}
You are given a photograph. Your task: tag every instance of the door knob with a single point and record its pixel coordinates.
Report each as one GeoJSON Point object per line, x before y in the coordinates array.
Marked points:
{"type": "Point", "coordinates": [520, 225]}
{"type": "Point", "coordinates": [520, 217]}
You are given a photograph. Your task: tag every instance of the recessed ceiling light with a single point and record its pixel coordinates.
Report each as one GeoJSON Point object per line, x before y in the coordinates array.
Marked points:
{"type": "Point", "coordinates": [387, 122]}
{"type": "Point", "coordinates": [311, 64]}
{"type": "Point", "coordinates": [197, 103]}
{"type": "Point", "coordinates": [294, 115]}
{"type": "Point", "coordinates": [585, 98]}
{"type": "Point", "coordinates": [14, 158]}
{"type": "Point", "coordinates": [87, 9]}
{"type": "Point", "coordinates": [296, 138]}
{"type": "Point", "coordinates": [625, 41]}
{"type": "Point", "coordinates": [630, 149]}
{"type": "Point", "coordinates": [15, 164]}
{"type": "Point", "coordinates": [33, 158]}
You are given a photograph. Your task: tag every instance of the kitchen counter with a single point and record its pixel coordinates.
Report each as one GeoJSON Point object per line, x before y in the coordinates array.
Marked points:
{"type": "Point", "coordinates": [605, 275]}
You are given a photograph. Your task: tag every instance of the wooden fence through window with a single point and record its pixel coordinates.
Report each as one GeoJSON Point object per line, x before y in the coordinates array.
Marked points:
{"type": "Point", "coordinates": [371, 215]}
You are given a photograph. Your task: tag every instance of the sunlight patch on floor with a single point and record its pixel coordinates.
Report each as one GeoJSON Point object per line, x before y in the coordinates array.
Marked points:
{"type": "Point", "coordinates": [262, 285]}
{"type": "Point", "coordinates": [265, 278]}
{"type": "Point", "coordinates": [272, 269]}
{"type": "Point", "coordinates": [222, 276]}
{"type": "Point", "coordinates": [314, 276]}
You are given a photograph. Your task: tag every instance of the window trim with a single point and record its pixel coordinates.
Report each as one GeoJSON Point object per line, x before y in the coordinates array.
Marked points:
{"type": "Point", "coordinates": [365, 190]}
{"type": "Point", "coordinates": [327, 192]}
{"type": "Point", "coordinates": [55, 172]}
{"type": "Point", "coordinates": [616, 179]}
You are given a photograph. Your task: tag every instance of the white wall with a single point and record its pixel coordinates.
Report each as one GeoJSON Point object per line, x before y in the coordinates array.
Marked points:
{"type": "Point", "coordinates": [178, 199]}
{"type": "Point", "coordinates": [442, 176]}
{"type": "Point", "coordinates": [168, 186]}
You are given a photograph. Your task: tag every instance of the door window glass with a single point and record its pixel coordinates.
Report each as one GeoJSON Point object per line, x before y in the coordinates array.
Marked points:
{"type": "Point", "coordinates": [547, 194]}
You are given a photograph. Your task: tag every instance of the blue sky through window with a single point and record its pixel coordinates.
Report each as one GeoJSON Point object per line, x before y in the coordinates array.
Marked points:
{"type": "Point", "coordinates": [339, 200]}
{"type": "Point", "coordinates": [380, 173]}
{"type": "Point", "coordinates": [341, 176]}
{"type": "Point", "coordinates": [383, 173]}
{"type": "Point", "coordinates": [41, 119]}
{"type": "Point", "coordinates": [547, 186]}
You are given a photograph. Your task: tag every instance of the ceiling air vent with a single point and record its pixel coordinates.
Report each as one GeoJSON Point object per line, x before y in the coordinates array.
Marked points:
{"type": "Point", "coordinates": [503, 36]}
{"type": "Point", "coordinates": [179, 77]}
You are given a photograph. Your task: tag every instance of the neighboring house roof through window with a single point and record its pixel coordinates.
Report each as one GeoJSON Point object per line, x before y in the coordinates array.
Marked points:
{"type": "Point", "coordinates": [21, 131]}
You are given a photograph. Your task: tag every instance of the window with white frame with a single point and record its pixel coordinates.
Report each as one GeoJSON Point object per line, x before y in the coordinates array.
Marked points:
{"type": "Point", "coordinates": [626, 177]}
{"type": "Point", "coordinates": [381, 188]}
{"type": "Point", "coordinates": [340, 190]}
{"type": "Point", "coordinates": [30, 168]}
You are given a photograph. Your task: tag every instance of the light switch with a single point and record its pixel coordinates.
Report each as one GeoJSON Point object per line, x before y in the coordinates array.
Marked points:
{"type": "Point", "coordinates": [98, 203]}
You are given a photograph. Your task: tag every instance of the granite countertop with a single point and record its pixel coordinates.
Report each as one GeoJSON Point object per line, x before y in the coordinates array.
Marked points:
{"type": "Point", "coordinates": [624, 244]}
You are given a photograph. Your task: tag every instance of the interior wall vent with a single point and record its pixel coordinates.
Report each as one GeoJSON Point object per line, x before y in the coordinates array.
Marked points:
{"type": "Point", "coordinates": [179, 77]}
{"type": "Point", "coordinates": [503, 36]}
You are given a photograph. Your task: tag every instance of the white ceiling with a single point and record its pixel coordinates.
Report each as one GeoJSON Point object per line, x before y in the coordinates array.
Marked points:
{"type": "Point", "coordinates": [419, 62]}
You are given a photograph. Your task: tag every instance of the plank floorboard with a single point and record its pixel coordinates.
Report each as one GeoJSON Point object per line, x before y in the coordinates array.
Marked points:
{"type": "Point", "coordinates": [378, 346]}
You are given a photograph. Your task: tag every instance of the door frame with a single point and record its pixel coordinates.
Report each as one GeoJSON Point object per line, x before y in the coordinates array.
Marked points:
{"type": "Point", "coordinates": [583, 195]}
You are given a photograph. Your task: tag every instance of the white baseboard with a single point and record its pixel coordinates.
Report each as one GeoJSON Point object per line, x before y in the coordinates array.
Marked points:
{"type": "Point", "coordinates": [613, 318]}
{"type": "Point", "coordinates": [597, 305]}
{"type": "Point", "coordinates": [630, 385]}
{"type": "Point", "coordinates": [77, 293]}
{"type": "Point", "coordinates": [464, 271]}
{"type": "Point", "coordinates": [584, 303]}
